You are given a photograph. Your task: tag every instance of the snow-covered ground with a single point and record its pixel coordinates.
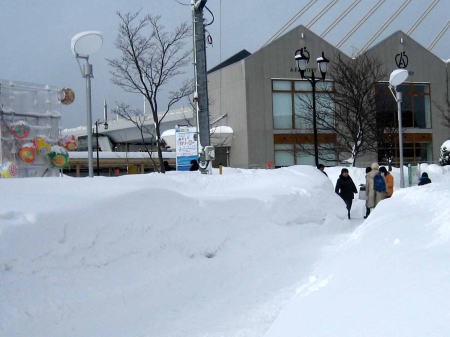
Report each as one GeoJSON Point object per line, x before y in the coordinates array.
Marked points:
{"type": "Point", "coordinates": [247, 253]}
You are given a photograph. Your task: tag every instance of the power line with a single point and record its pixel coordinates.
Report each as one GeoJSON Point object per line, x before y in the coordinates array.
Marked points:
{"type": "Point", "coordinates": [422, 17]}
{"type": "Point", "coordinates": [290, 21]}
{"type": "Point", "coordinates": [340, 17]}
{"type": "Point", "coordinates": [385, 25]}
{"type": "Point", "coordinates": [439, 36]}
{"type": "Point", "coordinates": [321, 13]}
{"type": "Point", "coordinates": [360, 23]}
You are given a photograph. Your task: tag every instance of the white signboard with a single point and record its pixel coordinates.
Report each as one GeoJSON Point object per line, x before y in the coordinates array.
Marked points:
{"type": "Point", "coordinates": [186, 147]}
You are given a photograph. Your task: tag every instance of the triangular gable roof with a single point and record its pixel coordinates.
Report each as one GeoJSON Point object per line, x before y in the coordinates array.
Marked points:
{"type": "Point", "coordinates": [401, 35]}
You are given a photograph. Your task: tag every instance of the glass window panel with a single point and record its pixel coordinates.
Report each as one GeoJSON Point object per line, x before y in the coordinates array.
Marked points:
{"type": "Point", "coordinates": [284, 158]}
{"type": "Point", "coordinates": [422, 88]}
{"type": "Point", "coordinates": [303, 158]}
{"type": "Point", "coordinates": [282, 85]}
{"type": "Point", "coordinates": [282, 110]}
{"type": "Point", "coordinates": [303, 111]}
{"type": "Point", "coordinates": [324, 86]}
{"type": "Point", "coordinates": [304, 155]}
{"type": "Point", "coordinates": [405, 89]}
{"type": "Point", "coordinates": [427, 109]}
{"type": "Point", "coordinates": [286, 147]}
{"type": "Point", "coordinates": [302, 86]}
{"type": "Point", "coordinates": [407, 119]}
{"type": "Point", "coordinates": [325, 111]}
{"type": "Point", "coordinates": [420, 115]}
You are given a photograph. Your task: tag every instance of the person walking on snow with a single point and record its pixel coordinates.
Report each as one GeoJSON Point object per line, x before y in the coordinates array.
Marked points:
{"type": "Point", "coordinates": [346, 189]}
{"type": "Point", "coordinates": [368, 169]}
{"type": "Point", "coordinates": [424, 179]}
{"type": "Point", "coordinates": [321, 168]}
{"type": "Point", "coordinates": [375, 192]}
{"type": "Point", "coordinates": [389, 179]}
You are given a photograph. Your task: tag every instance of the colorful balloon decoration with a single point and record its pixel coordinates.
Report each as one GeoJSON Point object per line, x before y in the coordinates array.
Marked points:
{"type": "Point", "coordinates": [20, 129]}
{"type": "Point", "coordinates": [66, 96]}
{"type": "Point", "coordinates": [9, 170]}
{"type": "Point", "coordinates": [42, 145]}
{"type": "Point", "coordinates": [59, 157]}
{"type": "Point", "coordinates": [27, 153]}
{"type": "Point", "coordinates": [69, 142]}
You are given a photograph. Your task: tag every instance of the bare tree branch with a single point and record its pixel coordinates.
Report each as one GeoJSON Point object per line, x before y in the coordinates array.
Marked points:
{"type": "Point", "coordinates": [150, 58]}
{"type": "Point", "coordinates": [349, 111]}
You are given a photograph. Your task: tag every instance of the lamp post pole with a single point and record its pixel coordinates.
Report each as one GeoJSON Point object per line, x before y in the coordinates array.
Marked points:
{"type": "Point", "coordinates": [302, 58]}
{"type": "Point", "coordinates": [96, 143]}
{"type": "Point", "coordinates": [400, 136]}
{"type": "Point", "coordinates": [105, 127]}
{"type": "Point", "coordinates": [313, 82]}
{"type": "Point", "coordinates": [88, 75]}
{"type": "Point", "coordinates": [396, 78]}
{"type": "Point", "coordinates": [84, 44]}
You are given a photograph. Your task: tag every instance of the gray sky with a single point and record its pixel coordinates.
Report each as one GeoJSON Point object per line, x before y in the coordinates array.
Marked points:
{"type": "Point", "coordinates": [35, 36]}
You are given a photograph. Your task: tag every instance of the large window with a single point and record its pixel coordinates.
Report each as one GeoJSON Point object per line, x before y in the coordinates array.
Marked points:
{"type": "Point", "coordinates": [416, 109]}
{"type": "Point", "coordinates": [292, 104]}
{"type": "Point", "coordinates": [295, 154]}
{"type": "Point", "coordinates": [414, 152]}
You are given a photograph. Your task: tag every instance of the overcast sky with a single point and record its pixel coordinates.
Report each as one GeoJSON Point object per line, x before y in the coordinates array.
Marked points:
{"type": "Point", "coordinates": [35, 36]}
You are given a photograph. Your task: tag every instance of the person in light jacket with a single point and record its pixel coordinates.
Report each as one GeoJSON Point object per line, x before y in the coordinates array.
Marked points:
{"type": "Point", "coordinates": [373, 197]}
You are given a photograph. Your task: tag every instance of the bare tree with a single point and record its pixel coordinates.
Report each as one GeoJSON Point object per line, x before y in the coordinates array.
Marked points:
{"type": "Point", "coordinates": [349, 111]}
{"type": "Point", "coordinates": [138, 119]}
{"type": "Point", "coordinates": [150, 58]}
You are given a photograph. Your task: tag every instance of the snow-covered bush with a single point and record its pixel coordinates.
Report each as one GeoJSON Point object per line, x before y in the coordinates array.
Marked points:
{"type": "Point", "coordinates": [444, 157]}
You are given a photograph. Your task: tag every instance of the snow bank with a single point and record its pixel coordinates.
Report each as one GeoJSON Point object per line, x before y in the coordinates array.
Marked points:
{"type": "Point", "coordinates": [181, 254]}
{"type": "Point", "coordinates": [389, 279]}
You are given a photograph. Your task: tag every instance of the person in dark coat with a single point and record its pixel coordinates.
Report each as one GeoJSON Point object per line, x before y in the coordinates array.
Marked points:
{"type": "Point", "coordinates": [423, 180]}
{"type": "Point", "coordinates": [368, 169]}
{"type": "Point", "coordinates": [321, 168]}
{"type": "Point", "coordinates": [167, 167]}
{"type": "Point", "coordinates": [194, 165]}
{"type": "Point", "coordinates": [346, 189]}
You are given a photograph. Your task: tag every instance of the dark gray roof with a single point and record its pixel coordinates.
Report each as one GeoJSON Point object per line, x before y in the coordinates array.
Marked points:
{"type": "Point", "coordinates": [233, 59]}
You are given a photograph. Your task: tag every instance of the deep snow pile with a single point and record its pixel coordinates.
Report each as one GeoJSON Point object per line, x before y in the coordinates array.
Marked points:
{"type": "Point", "coordinates": [249, 253]}
{"type": "Point", "coordinates": [391, 277]}
{"type": "Point", "coordinates": [181, 254]}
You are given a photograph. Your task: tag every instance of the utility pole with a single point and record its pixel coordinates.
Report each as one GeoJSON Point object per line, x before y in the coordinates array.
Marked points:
{"type": "Point", "coordinates": [201, 80]}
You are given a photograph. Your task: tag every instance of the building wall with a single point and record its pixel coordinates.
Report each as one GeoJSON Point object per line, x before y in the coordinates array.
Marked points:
{"type": "Point", "coordinates": [249, 82]}
{"type": "Point", "coordinates": [227, 96]}
{"type": "Point", "coordinates": [423, 66]}
{"type": "Point", "coordinates": [276, 60]}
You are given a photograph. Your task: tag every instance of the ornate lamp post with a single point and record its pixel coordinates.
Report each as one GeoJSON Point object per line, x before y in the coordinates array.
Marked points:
{"type": "Point", "coordinates": [302, 58]}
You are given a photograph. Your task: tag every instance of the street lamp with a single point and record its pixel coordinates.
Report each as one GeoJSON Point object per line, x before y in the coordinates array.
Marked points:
{"type": "Point", "coordinates": [105, 127]}
{"type": "Point", "coordinates": [83, 45]}
{"type": "Point", "coordinates": [397, 77]}
{"type": "Point", "coordinates": [302, 58]}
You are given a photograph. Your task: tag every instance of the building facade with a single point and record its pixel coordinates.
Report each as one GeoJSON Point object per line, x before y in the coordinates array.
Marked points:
{"type": "Point", "coordinates": [257, 96]}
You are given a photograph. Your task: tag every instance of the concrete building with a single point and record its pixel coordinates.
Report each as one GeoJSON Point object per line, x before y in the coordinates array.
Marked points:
{"type": "Point", "coordinates": [254, 95]}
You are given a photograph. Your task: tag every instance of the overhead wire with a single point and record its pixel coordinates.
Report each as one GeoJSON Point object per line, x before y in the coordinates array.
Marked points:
{"type": "Point", "coordinates": [422, 17]}
{"type": "Point", "coordinates": [360, 23]}
{"type": "Point", "coordinates": [341, 17]}
{"type": "Point", "coordinates": [302, 11]}
{"type": "Point", "coordinates": [321, 13]}
{"type": "Point", "coordinates": [439, 36]}
{"type": "Point", "coordinates": [385, 25]}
